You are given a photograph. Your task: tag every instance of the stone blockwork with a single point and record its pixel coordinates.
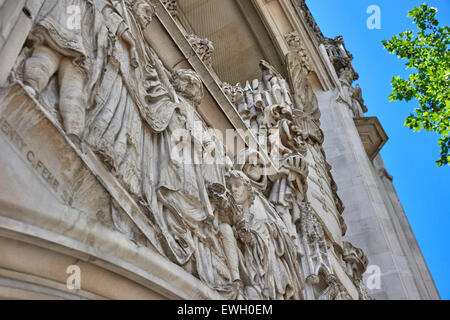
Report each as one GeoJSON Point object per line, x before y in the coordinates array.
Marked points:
{"type": "Point", "coordinates": [127, 154]}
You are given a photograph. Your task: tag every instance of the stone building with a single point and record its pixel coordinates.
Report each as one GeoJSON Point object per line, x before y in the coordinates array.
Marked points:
{"type": "Point", "coordinates": [191, 149]}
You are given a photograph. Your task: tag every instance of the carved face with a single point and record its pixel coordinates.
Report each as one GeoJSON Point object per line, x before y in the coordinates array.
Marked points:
{"type": "Point", "coordinates": [239, 191]}
{"type": "Point", "coordinates": [193, 84]}
{"type": "Point", "coordinates": [144, 12]}
{"type": "Point", "coordinates": [189, 85]}
{"type": "Point", "coordinates": [254, 169]}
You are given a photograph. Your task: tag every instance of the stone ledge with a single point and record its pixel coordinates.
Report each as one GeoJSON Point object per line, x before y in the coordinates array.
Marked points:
{"type": "Point", "coordinates": [372, 135]}
{"type": "Point", "coordinates": [147, 272]}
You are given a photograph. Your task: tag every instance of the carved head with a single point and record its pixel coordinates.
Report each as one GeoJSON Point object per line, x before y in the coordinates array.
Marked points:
{"type": "Point", "coordinates": [234, 93]}
{"type": "Point", "coordinates": [355, 259]}
{"type": "Point", "coordinates": [240, 187]}
{"type": "Point", "coordinates": [188, 84]}
{"type": "Point", "coordinates": [254, 169]}
{"type": "Point", "coordinates": [144, 12]}
{"type": "Point", "coordinates": [293, 40]}
{"type": "Point", "coordinates": [252, 163]}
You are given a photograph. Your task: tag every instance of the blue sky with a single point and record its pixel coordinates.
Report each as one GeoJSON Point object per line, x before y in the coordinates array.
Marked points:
{"type": "Point", "coordinates": [423, 188]}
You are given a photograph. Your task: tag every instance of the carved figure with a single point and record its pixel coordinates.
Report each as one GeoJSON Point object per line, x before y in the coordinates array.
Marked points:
{"type": "Point", "coordinates": [268, 251]}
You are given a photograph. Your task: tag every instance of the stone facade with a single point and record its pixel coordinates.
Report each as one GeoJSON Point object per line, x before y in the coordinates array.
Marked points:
{"type": "Point", "coordinates": [191, 150]}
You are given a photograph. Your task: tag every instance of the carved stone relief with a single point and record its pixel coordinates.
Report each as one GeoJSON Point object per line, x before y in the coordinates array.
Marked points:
{"type": "Point", "coordinates": [356, 263]}
{"type": "Point", "coordinates": [243, 233]}
{"type": "Point", "coordinates": [203, 47]}
{"type": "Point", "coordinates": [290, 127]}
{"type": "Point", "coordinates": [171, 6]}
{"type": "Point", "coordinates": [303, 10]}
{"type": "Point", "coordinates": [341, 60]}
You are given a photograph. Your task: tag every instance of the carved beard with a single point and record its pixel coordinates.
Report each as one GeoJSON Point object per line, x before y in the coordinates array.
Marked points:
{"type": "Point", "coordinates": [189, 88]}
{"type": "Point", "coordinates": [192, 94]}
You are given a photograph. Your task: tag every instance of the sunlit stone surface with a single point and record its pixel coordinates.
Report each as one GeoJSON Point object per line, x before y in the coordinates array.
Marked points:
{"type": "Point", "coordinates": [191, 150]}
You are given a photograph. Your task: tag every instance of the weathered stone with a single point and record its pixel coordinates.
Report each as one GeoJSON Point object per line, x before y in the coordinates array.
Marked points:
{"type": "Point", "coordinates": [111, 163]}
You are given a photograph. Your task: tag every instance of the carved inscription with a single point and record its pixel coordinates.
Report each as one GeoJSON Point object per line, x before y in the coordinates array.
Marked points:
{"type": "Point", "coordinates": [35, 162]}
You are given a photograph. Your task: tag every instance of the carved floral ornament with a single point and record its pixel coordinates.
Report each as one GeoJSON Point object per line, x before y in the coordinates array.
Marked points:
{"type": "Point", "coordinates": [171, 6]}
{"type": "Point", "coordinates": [300, 66]}
{"type": "Point", "coordinates": [240, 232]}
{"type": "Point", "coordinates": [303, 9]}
{"type": "Point", "coordinates": [203, 47]}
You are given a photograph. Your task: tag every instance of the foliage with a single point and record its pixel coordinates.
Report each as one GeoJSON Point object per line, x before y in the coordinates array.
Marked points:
{"type": "Point", "coordinates": [427, 52]}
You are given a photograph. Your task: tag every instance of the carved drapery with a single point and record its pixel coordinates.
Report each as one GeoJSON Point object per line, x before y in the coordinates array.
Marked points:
{"type": "Point", "coordinates": [111, 94]}
{"type": "Point", "coordinates": [286, 119]}
{"type": "Point", "coordinates": [130, 119]}
{"type": "Point", "coordinates": [287, 122]}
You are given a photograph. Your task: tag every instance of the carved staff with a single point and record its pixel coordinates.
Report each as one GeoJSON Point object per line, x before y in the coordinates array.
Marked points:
{"type": "Point", "coordinates": [163, 76]}
{"type": "Point", "coordinates": [157, 62]}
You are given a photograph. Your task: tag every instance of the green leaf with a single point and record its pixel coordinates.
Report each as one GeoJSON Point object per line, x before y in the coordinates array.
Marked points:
{"type": "Point", "coordinates": [427, 53]}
